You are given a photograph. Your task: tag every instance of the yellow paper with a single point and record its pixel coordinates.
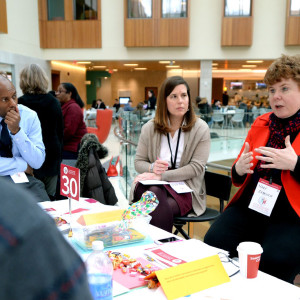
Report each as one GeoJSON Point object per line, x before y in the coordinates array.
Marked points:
{"type": "Point", "coordinates": [99, 218]}
{"type": "Point", "coordinates": [192, 277]}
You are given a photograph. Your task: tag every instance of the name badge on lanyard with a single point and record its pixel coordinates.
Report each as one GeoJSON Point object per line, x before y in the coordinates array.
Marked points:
{"type": "Point", "coordinates": [265, 197]}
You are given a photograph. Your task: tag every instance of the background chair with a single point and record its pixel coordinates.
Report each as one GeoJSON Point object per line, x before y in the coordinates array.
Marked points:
{"type": "Point", "coordinates": [218, 186]}
{"type": "Point", "coordinates": [217, 117]}
{"type": "Point", "coordinates": [238, 117]}
{"type": "Point", "coordinates": [103, 124]}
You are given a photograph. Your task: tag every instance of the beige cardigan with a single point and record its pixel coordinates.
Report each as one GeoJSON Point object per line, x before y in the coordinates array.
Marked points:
{"type": "Point", "coordinates": [192, 165]}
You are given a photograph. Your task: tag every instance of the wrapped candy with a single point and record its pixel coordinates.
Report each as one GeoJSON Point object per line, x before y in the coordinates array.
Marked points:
{"type": "Point", "coordinates": [141, 208]}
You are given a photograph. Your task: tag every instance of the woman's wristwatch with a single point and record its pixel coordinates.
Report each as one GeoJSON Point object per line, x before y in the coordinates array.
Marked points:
{"type": "Point", "coordinates": [151, 167]}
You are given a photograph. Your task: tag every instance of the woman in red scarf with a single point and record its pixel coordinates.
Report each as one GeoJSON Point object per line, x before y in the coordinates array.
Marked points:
{"type": "Point", "coordinates": [266, 208]}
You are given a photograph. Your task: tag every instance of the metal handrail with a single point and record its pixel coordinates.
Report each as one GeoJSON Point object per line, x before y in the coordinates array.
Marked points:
{"type": "Point", "coordinates": [118, 134]}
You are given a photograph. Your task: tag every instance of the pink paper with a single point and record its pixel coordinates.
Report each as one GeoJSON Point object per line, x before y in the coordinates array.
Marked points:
{"type": "Point", "coordinates": [91, 200]}
{"type": "Point", "coordinates": [131, 282]}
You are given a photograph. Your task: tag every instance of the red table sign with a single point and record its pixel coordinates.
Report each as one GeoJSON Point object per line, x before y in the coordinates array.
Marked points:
{"type": "Point", "coordinates": [69, 182]}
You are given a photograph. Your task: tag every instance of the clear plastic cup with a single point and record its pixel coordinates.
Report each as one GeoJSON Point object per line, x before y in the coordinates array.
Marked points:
{"type": "Point", "coordinates": [249, 258]}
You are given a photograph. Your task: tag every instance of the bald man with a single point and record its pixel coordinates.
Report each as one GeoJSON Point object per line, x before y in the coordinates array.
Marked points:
{"type": "Point", "coordinates": [21, 143]}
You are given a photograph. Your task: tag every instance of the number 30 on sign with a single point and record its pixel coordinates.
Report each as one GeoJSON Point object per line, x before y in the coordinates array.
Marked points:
{"type": "Point", "coordinates": [69, 182]}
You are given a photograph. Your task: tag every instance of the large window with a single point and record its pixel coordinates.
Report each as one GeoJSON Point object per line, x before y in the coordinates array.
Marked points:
{"type": "Point", "coordinates": [237, 8]}
{"type": "Point", "coordinates": [295, 8]}
{"type": "Point", "coordinates": [56, 10]}
{"type": "Point", "coordinates": [85, 9]}
{"type": "Point", "coordinates": [139, 9]}
{"type": "Point", "coordinates": [174, 8]}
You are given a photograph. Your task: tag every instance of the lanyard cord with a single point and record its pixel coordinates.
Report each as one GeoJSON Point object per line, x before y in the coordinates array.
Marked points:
{"type": "Point", "coordinates": [173, 163]}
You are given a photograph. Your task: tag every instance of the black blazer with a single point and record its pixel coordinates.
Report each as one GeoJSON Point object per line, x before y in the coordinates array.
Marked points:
{"type": "Point", "coordinates": [49, 112]}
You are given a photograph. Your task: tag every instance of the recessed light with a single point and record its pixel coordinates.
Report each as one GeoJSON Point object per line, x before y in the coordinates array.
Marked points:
{"type": "Point", "coordinates": [99, 67]}
{"type": "Point", "coordinates": [131, 65]}
{"type": "Point", "coordinates": [173, 66]}
{"type": "Point", "coordinates": [249, 66]}
{"type": "Point", "coordinates": [140, 69]}
{"type": "Point", "coordinates": [84, 62]}
{"type": "Point", "coordinates": [164, 61]}
{"type": "Point", "coordinates": [254, 61]}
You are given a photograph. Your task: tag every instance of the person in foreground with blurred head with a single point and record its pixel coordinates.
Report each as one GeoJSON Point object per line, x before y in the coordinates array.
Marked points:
{"type": "Point", "coordinates": [173, 147]}
{"type": "Point", "coordinates": [74, 126]}
{"type": "Point", "coordinates": [36, 260]}
{"type": "Point", "coordinates": [21, 143]}
{"type": "Point", "coordinates": [267, 171]}
{"type": "Point", "coordinates": [34, 85]}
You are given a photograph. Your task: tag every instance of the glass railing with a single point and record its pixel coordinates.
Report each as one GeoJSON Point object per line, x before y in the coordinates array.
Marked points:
{"type": "Point", "coordinates": [226, 143]}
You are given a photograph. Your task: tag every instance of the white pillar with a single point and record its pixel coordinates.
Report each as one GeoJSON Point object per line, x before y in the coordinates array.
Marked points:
{"type": "Point", "coordinates": [206, 79]}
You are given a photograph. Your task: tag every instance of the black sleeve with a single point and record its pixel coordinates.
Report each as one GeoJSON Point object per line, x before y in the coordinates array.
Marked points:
{"type": "Point", "coordinates": [296, 172]}
{"type": "Point", "coordinates": [236, 176]}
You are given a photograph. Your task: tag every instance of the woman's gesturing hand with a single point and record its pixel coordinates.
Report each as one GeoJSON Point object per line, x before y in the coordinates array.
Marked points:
{"type": "Point", "coordinates": [244, 164]}
{"type": "Point", "coordinates": [282, 159]}
{"type": "Point", "coordinates": [147, 176]}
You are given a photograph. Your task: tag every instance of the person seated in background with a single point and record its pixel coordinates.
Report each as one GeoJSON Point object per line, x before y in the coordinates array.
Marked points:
{"type": "Point", "coordinates": [74, 126]}
{"type": "Point", "coordinates": [216, 105]}
{"type": "Point", "coordinates": [173, 147]}
{"type": "Point", "coordinates": [34, 84]}
{"type": "Point", "coordinates": [36, 260]}
{"type": "Point", "coordinates": [21, 143]}
{"type": "Point", "coordinates": [128, 106]}
{"type": "Point", "coordinates": [205, 110]}
{"type": "Point", "coordinates": [99, 104]}
{"type": "Point", "coordinates": [139, 110]}
{"type": "Point", "coordinates": [266, 208]}
{"type": "Point", "coordinates": [117, 105]}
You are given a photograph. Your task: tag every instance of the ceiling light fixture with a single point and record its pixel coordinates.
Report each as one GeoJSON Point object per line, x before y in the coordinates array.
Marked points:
{"type": "Point", "coordinates": [164, 61]}
{"type": "Point", "coordinates": [249, 66]}
{"type": "Point", "coordinates": [173, 66]}
{"type": "Point", "coordinates": [84, 62]}
{"type": "Point", "coordinates": [131, 65]}
{"type": "Point", "coordinates": [254, 61]}
{"type": "Point", "coordinates": [140, 69]}
{"type": "Point", "coordinates": [99, 67]}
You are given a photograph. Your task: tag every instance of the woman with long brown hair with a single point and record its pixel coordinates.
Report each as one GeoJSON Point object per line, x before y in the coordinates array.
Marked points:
{"type": "Point", "coordinates": [173, 147]}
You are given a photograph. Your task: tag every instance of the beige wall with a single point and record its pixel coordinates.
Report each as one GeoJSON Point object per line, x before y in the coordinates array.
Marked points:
{"type": "Point", "coordinates": [135, 82]}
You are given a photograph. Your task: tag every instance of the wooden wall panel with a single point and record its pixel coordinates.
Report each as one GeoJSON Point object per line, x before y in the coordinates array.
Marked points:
{"type": "Point", "coordinates": [69, 33]}
{"type": "Point", "coordinates": [3, 17]}
{"type": "Point", "coordinates": [139, 33]}
{"type": "Point", "coordinates": [237, 31]}
{"type": "Point", "coordinates": [156, 32]}
{"type": "Point", "coordinates": [86, 34]}
{"type": "Point", "coordinates": [173, 32]}
{"type": "Point", "coordinates": [292, 28]}
{"type": "Point", "coordinates": [292, 31]}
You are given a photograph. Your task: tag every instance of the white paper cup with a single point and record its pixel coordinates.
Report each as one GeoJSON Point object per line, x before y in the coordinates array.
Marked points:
{"type": "Point", "coordinates": [249, 258]}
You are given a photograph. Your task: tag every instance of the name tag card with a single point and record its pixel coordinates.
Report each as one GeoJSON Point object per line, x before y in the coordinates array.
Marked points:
{"type": "Point", "coordinates": [69, 182]}
{"type": "Point", "coordinates": [265, 197]}
{"type": "Point", "coordinates": [180, 187]}
{"type": "Point", "coordinates": [19, 177]}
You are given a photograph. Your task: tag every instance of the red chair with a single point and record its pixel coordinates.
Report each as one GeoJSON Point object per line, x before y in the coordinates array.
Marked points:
{"type": "Point", "coordinates": [103, 124]}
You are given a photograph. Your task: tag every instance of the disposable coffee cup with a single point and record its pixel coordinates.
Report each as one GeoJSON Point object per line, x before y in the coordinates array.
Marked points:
{"type": "Point", "coordinates": [249, 258]}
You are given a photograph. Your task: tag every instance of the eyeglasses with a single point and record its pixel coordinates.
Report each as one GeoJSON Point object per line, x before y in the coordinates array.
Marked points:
{"type": "Point", "coordinates": [233, 268]}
